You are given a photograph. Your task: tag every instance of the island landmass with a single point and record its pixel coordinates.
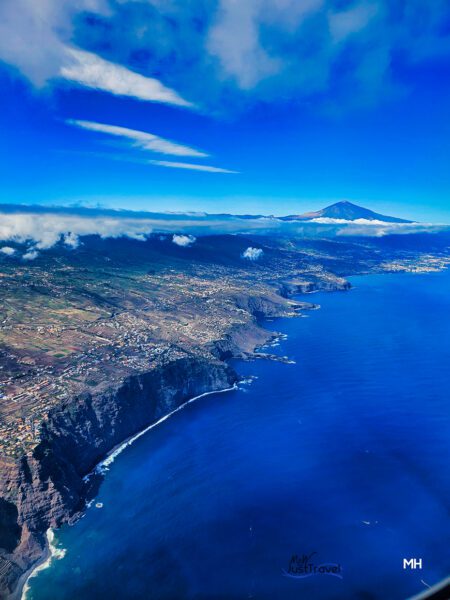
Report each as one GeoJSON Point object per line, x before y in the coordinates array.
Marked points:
{"type": "Point", "coordinates": [99, 342]}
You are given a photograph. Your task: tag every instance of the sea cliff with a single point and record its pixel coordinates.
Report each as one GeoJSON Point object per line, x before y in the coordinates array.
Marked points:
{"type": "Point", "coordinates": [47, 488]}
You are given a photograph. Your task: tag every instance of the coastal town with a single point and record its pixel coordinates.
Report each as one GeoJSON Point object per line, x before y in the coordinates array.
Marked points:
{"type": "Point", "coordinates": [54, 355]}
{"type": "Point", "coordinates": [66, 330]}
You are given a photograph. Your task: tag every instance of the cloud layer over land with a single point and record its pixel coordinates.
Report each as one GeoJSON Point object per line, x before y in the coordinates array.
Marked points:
{"type": "Point", "coordinates": [39, 231]}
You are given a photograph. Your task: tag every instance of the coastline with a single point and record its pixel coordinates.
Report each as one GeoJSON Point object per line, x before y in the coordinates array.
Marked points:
{"type": "Point", "coordinates": [50, 551]}
{"type": "Point", "coordinates": [20, 593]}
{"type": "Point", "coordinates": [102, 466]}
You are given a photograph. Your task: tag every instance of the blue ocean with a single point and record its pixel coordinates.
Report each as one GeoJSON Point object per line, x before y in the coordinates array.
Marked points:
{"type": "Point", "coordinates": [340, 459]}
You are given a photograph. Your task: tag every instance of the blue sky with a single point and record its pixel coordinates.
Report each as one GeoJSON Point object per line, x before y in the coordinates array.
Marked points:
{"type": "Point", "coordinates": [257, 106]}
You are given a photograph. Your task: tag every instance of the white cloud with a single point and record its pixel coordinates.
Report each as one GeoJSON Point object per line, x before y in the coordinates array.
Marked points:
{"type": "Point", "coordinates": [374, 227]}
{"type": "Point", "coordinates": [191, 166]}
{"type": "Point", "coordinates": [332, 221]}
{"type": "Point", "coordinates": [183, 240]}
{"type": "Point", "coordinates": [47, 229]}
{"type": "Point", "coordinates": [44, 230]}
{"type": "Point", "coordinates": [35, 37]}
{"type": "Point", "coordinates": [141, 139]}
{"type": "Point", "coordinates": [377, 229]}
{"type": "Point", "coordinates": [31, 254]}
{"type": "Point", "coordinates": [33, 32]}
{"type": "Point", "coordinates": [7, 250]}
{"type": "Point", "coordinates": [90, 70]}
{"type": "Point", "coordinates": [273, 50]}
{"type": "Point", "coordinates": [252, 253]}
{"type": "Point", "coordinates": [240, 54]}
{"type": "Point", "coordinates": [71, 239]}
{"type": "Point", "coordinates": [41, 231]}
{"type": "Point", "coordinates": [236, 40]}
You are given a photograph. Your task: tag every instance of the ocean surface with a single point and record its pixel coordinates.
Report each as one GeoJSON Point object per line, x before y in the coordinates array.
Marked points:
{"type": "Point", "coordinates": [343, 457]}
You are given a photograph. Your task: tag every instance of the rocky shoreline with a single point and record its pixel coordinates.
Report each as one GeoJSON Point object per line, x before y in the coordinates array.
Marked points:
{"type": "Point", "coordinates": [48, 487]}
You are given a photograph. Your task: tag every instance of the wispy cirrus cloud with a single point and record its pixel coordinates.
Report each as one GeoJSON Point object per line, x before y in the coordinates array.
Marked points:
{"type": "Point", "coordinates": [190, 166]}
{"type": "Point", "coordinates": [89, 70]}
{"type": "Point", "coordinates": [140, 139]}
{"type": "Point", "coordinates": [153, 143]}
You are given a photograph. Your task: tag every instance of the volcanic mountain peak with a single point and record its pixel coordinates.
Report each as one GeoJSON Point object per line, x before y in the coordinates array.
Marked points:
{"type": "Point", "coordinates": [345, 210]}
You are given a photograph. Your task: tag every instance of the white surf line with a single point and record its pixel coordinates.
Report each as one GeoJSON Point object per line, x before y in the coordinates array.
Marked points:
{"type": "Point", "coordinates": [54, 554]}
{"type": "Point", "coordinates": [103, 465]}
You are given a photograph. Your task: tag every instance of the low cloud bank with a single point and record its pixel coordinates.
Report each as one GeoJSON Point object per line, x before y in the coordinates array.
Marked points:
{"type": "Point", "coordinates": [45, 230]}
{"type": "Point", "coordinates": [375, 228]}
{"type": "Point", "coordinates": [41, 230]}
